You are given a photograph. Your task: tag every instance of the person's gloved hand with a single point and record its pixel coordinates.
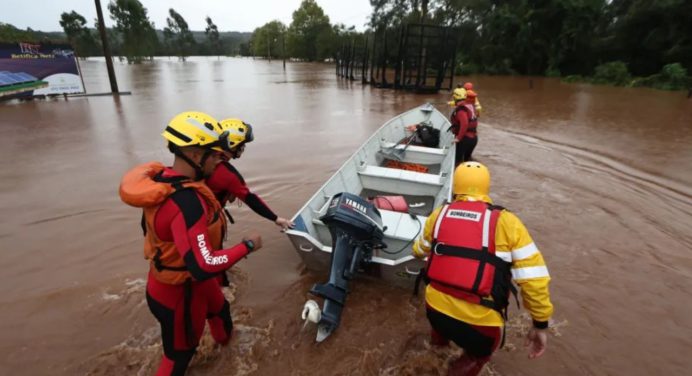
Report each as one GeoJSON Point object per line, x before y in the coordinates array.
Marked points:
{"type": "Point", "coordinates": [284, 223]}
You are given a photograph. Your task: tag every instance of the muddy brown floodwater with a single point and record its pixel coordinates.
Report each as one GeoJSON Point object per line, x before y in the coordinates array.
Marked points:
{"type": "Point", "coordinates": [602, 177]}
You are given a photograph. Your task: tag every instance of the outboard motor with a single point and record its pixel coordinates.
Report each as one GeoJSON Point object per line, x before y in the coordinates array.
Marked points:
{"type": "Point", "coordinates": [356, 228]}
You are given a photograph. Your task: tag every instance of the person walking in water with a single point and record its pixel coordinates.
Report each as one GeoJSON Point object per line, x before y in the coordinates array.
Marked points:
{"type": "Point", "coordinates": [464, 126]}
{"type": "Point", "coordinates": [477, 103]}
{"type": "Point", "coordinates": [475, 249]}
{"type": "Point", "coordinates": [184, 228]}
{"type": "Point", "coordinates": [459, 94]}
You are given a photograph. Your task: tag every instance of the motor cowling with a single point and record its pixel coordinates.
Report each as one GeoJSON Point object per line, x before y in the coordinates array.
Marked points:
{"type": "Point", "coordinates": [355, 216]}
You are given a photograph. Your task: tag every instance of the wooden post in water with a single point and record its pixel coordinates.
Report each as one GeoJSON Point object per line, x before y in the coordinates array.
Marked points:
{"type": "Point", "coordinates": [269, 48]}
{"type": "Point", "coordinates": [364, 63]}
{"type": "Point", "coordinates": [283, 47]}
{"type": "Point", "coordinates": [106, 48]}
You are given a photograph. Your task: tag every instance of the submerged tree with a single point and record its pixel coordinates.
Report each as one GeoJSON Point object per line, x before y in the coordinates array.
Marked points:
{"type": "Point", "coordinates": [137, 32]}
{"type": "Point", "coordinates": [308, 35]}
{"type": "Point", "coordinates": [79, 36]}
{"type": "Point", "coordinates": [177, 34]}
{"type": "Point", "coordinates": [212, 33]}
{"type": "Point", "coordinates": [267, 40]}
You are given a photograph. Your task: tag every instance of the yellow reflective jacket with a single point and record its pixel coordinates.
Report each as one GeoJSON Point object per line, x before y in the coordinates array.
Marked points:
{"type": "Point", "coordinates": [478, 107]}
{"type": "Point", "coordinates": [512, 242]}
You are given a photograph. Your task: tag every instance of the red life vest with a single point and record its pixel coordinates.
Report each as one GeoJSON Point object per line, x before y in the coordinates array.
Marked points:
{"type": "Point", "coordinates": [470, 111]}
{"type": "Point", "coordinates": [463, 263]}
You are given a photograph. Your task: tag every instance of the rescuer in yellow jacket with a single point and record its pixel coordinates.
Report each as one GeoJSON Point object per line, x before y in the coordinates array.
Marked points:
{"type": "Point", "coordinates": [477, 103]}
{"type": "Point", "coordinates": [469, 272]}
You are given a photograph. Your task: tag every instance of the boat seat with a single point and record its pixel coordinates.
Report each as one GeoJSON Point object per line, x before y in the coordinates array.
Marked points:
{"type": "Point", "coordinates": [417, 149]}
{"type": "Point", "coordinates": [398, 174]}
{"type": "Point", "coordinates": [414, 154]}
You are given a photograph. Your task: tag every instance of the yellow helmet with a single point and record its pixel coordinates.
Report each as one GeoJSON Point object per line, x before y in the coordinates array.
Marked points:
{"type": "Point", "coordinates": [193, 128]}
{"type": "Point", "coordinates": [235, 132]}
{"type": "Point", "coordinates": [459, 94]}
{"type": "Point", "coordinates": [471, 178]}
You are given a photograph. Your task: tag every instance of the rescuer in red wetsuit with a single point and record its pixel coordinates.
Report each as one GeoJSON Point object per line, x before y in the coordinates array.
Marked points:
{"type": "Point", "coordinates": [228, 184]}
{"type": "Point", "coordinates": [464, 121]}
{"type": "Point", "coordinates": [184, 228]}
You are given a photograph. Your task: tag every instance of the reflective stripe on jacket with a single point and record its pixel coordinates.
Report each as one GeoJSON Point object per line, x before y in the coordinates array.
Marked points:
{"type": "Point", "coordinates": [513, 244]}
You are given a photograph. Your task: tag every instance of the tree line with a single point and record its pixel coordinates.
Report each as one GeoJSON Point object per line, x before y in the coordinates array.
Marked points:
{"type": "Point", "coordinates": [597, 40]}
{"type": "Point", "coordinates": [610, 41]}
{"type": "Point", "coordinates": [134, 36]}
{"type": "Point", "coordinates": [309, 37]}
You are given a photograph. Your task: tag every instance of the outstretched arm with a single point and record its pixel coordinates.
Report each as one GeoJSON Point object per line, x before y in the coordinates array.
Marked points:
{"type": "Point", "coordinates": [228, 178]}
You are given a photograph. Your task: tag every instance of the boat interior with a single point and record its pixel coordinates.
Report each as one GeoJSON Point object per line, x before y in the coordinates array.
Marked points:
{"type": "Point", "coordinates": [382, 167]}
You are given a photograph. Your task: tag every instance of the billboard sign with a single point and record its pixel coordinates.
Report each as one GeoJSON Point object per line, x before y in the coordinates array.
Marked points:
{"type": "Point", "coordinates": [38, 69]}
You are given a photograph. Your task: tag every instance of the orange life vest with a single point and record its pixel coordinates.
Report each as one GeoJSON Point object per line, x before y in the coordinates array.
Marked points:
{"type": "Point", "coordinates": [391, 163]}
{"type": "Point", "coordinates": [463, 263]}
{"type": "Point", "coordinates": [145, 187]}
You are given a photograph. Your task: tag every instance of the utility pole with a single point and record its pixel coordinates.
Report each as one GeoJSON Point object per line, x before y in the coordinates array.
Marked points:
{"type": "Point", "coordinates": [106, 48]}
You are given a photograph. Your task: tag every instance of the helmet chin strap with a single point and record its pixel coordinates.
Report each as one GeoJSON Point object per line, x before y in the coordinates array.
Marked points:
{"type": "Point", "coordinates": [199, 172]}
{"type": "Point", "coordinates": [234, 152]}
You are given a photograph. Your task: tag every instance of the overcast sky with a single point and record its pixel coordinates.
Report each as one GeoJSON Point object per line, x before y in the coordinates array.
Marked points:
{"type": "Point", "coordinates": [228, 15]}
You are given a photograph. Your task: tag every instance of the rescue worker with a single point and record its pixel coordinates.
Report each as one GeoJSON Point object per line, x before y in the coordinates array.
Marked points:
{"type": "Point", "coordinates": [477, 103]}
{"type": "Point", "coordinates": [228, 184]}
{"type": "Point", "coordinates": [459, 94]}
{"type": "Point", "coordinates": [184, 227]}
{"type": "Point", "coordinates": [464, 126]}
{"type": "Point", "coordinates": [474, 250]}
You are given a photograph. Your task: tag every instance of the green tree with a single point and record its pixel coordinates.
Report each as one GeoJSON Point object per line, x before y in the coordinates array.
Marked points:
{"type": "Point", "coordinates": [177, 34]}
{"type": "Point", "coordinates": [267, 40]}
{"type": "Point", "coordinates": [212, 33]}
{"type": "Point", "coordinates": [73, 24]}
{"type": "Point", "coordinates": [649, 34]}
{"type": "Point", "coordinates": [309, 21]}
{"type": "Point", "coordinates": [390, 13]}
{"type": "Point", "coordinates": [80, 37]}
{"type": "Point", "coordinates": [137, 32]}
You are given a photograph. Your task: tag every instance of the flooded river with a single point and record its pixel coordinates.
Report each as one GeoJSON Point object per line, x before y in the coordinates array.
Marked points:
{"type": "Point", "coordinates": [602, 177]}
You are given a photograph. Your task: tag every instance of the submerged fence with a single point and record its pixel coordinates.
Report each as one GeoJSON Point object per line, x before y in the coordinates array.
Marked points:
{"type": "Point", "coordinates": [415, 57]}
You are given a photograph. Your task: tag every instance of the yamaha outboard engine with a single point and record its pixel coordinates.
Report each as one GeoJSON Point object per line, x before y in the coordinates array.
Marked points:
{"type": "Point", "coordinates": [356, 228]}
